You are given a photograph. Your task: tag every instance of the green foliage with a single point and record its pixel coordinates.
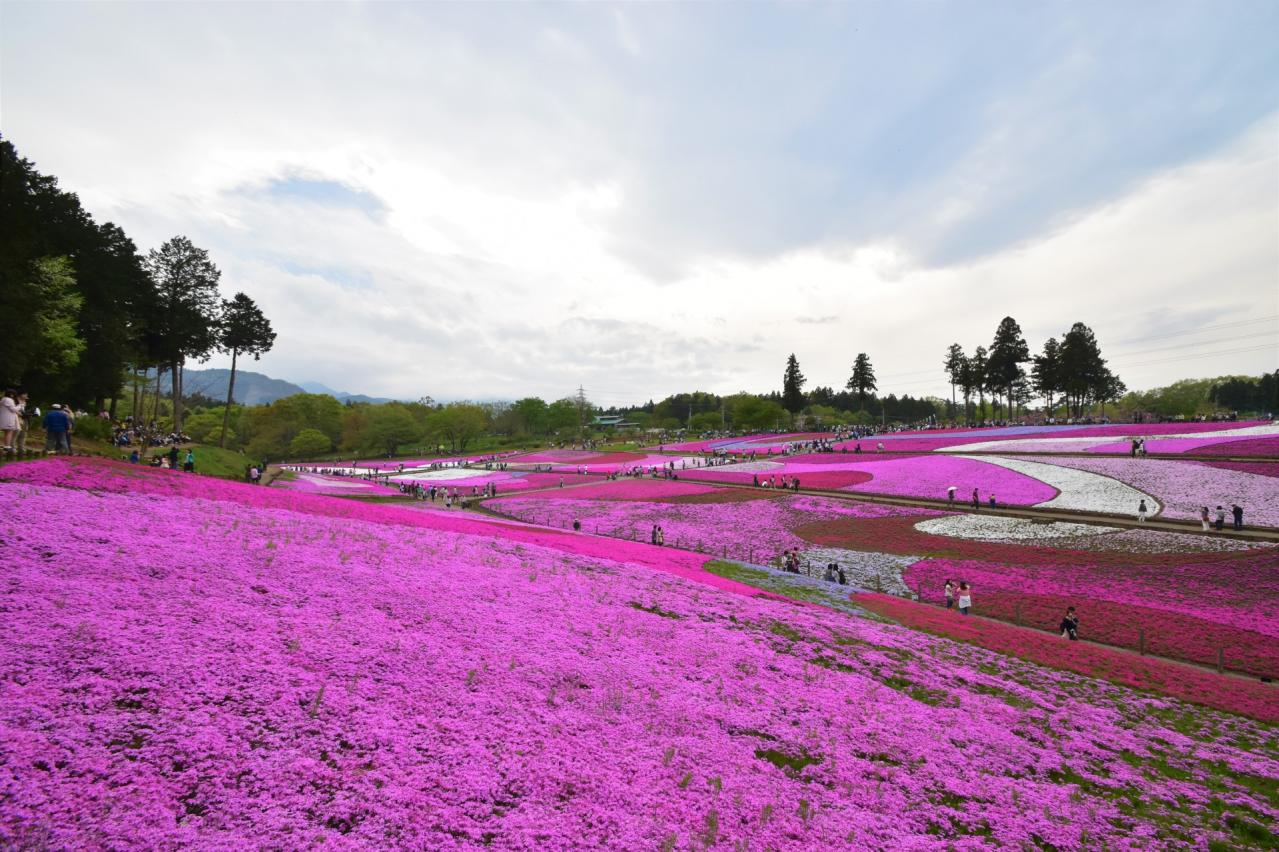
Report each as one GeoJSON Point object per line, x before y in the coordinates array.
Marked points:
{"type": "Point", "coordinates": [793, 386]}
{"type": "Point", "coordinates": [459, 423]}
{"type": "Point", "coordinates": [389, 427]}
{"type": "Point", "coordinates": [310, 443]}
{"type": "Point", "coordinates": [706, 421]}
{"type": "Point", "coordinates": [1192, 397]}
{"type": "Point", "coordinates": [93, 428]}
{"type": "Point", "coordinates": [269, 430]}
{"type": "Point", "coordinates": [748, 412]}
{"type": "Point", "coordinates": [863, 378]}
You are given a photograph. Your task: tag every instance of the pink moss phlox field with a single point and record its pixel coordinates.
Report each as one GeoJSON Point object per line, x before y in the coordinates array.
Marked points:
{"type": "Point", "coordinates": [1249, 697]}
{"type": "Point", "coordinates": [753, 529]}
{"type": "Point", "coordinates": [314, 483]}
{"type": "Point", "coordinates": [1187, 610]}
{"type": "Point", "coordinates": [622, 489]}
{"type": "Point", "coordinates": [118, 477]}
{"type": "Point", "coordinates": [1257, 468]}
{"type": "Point", "coordinates": [898, 475]}
{"type": "Point", "coordinates": [210, 664]}
{"type": "Point", "coordinates": [1183, 487]}
{"type": "Point", "coordinates": [1264, 446]}
{"type": "Point", "coordinates": [1219, 445]}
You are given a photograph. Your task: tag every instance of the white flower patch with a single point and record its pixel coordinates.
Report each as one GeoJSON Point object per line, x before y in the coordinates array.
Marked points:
{"type": "Point", "coordinates": [993, 528]}
{"type": "Point", "coordinates": [1152, 541]}
{"type": "Point", "coordinates": [443, 474]}
{"type": "Point", "coordinates": [748, 467]}
{"type": "Point", "coordinates": [1079, 490]}
{"type": "Point", "coordinates": [1051, 444]}
{"type": "Point", "coordinates": [333, 482]}
{"type": "Point", "coordinates": [861, 567]}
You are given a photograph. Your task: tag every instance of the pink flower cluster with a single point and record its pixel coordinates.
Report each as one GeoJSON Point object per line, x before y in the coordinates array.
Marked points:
{"type": "Point", "coordinates": [199, 663]}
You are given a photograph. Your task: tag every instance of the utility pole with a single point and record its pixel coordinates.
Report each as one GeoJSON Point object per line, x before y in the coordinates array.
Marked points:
{"type": "Point", "coordinates": [581, 412]}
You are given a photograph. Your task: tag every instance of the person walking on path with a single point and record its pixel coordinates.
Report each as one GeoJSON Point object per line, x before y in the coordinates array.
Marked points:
{"type": "Point", "coordinates": [28, 416]}
{"type": "Point", "coordinates": [1142, 511]}
{"type": "Point", "coordinates": [950, 495]}
{"type": "Point", "coordinates": [653, 535]}
{"type": "Point", "coordinates": [1221, 519]}
{"type": "Point", "coordinates": [56, 426]}
{"type": "Point", "coordinates": [661, 537]}
{"type": "Point", "coordinates": [965, 598]}
{"type": "Point", "coordinates": [1070, 625]}
{"type": "Point", "coordinates": [1203, 516]}
{"type": "Point", "coordinates": [950, 594]}
{"type": "Point", "coordinates": [992, 500]}
{"type": "Point", "coordinates": [976, 501]}
{"type": "Point", "coordinates": [1237, 511]}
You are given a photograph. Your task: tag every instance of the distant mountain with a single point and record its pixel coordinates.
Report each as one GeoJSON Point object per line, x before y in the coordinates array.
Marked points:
{"type": "Point", "coordinates": [316, 387]}
{"type": "Point", "coordinates": [255, 388]}
{"type": "Point", "coordinates": [250, 388]}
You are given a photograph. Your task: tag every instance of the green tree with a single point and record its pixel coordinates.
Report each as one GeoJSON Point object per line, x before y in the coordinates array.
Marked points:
{"type": "Point", "coordinates": [561, 417]}
{"type": "Point", "coordinates": [863, 378]}
{"type": "Point", "coordinates": [242, 328]}
{"type": "Point", "coordinates": [793, 386]}
{"type": "Point", "coordinates": [954, 367]}
{"type": "Point", "coordinates": [460, 423]}
{"type": "Point", "coordinates": [748, 411]}
{"type": "Point", "coordinates": [1082, 367]}
{"type": "Point", "coordinates": [309, 443]}
{"type": "Point", "coordinates": [185, 325]}
{"type": "Point", "coordinates": [977, 374]}
{"type": "Point", "coordinates": [38, 320]}
{"type": "Point", "coordinates": [390, 427]}
{"type": "Point", "coordinates": [1007, 353]}
{"type": "Point", "coordinates": [1046, 373]}
{"type": "Point", "coordinates": [270, 429]}
{"type": "Point", "coordinates": [706, 421]}
{"type": "Point", "coordinates": [530, 415]}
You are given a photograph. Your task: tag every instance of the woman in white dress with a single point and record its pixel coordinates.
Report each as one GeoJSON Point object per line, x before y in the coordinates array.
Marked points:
{"type": "Point", "coordinates": [9, 415]}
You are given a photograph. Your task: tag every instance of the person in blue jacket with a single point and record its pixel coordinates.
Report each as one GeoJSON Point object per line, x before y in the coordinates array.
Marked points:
{"type": "Point", "coordinates": [57, 429]}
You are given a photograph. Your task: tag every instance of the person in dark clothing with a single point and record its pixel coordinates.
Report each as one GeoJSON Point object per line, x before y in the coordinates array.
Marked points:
{"type": "Point", "coordinates": [57, 428]}
{"type": "Point", "coordinates": [976, 500]}
{"type": "Point", "coordinates": [1237, 511]}
{"type": "Point", "coordinates": [1070, 625]}
{"type": "Point", "coordinates": [1221, 518]}
{"type": "Point", "coordinates": [173, 457]}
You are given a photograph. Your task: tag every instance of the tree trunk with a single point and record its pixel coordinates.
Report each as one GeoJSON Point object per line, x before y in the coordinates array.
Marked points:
{"type": "Point", "coordinates": [230, 390]}
{"type": "Point", "coordinates": [134, 412]}
{"type": "Point", "coordinates": [175, 391]}
{"type": "Point", "coordinates": [99, 405]}
{"type": "Point", "coordinates": [155, 403]}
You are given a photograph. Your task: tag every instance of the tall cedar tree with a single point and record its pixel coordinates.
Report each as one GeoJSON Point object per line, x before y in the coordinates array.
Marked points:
{"type": "Point", "coordinates": [954, 366]}
{"type": "Point", "coordinates": [186, 322]}
{"type": "Point", "coordinates": [1046, 373]}
{"type": "Point", "coordinates": [978, 366]}
{"type": "Point", "coordinates": [793, 386]}
{"type": "Point", "coordinates": [99, 290]}
{"type": "Point", "coordinates": [1007, 353]}
{"type": "Point", "coordinates": [242, 328]}
{"type": "Point", "coordinates": [863, 378]}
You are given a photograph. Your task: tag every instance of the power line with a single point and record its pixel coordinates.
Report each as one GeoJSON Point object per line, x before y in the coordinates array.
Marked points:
{"type": "Point", "coordinates": [1163, 335]}
{"type": "Point", "coordinates": [1239, 351]}
{"type": "Point", "coordinates": [1201, 343]}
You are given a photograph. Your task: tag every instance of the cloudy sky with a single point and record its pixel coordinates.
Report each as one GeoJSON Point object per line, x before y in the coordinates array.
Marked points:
{"type": "Point", "coordinates": [490, 200]}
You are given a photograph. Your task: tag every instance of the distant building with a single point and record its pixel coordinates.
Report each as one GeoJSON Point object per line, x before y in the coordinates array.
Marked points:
{"type": "Point", "coordinates": [611, 421]}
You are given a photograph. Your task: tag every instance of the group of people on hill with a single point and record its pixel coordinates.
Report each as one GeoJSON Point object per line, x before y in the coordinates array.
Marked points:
{"type": "Point", "coordinates": [19, 418]}
{"type": "Point", "coordinates": [1236, 514]}
{"type": "Point", "coordinates": [785, 483]}
{"type": "Point", "coordinates": [166, 461]}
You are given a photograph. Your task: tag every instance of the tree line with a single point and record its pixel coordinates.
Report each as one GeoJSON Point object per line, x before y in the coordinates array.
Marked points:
{"type": "Point", "coordinates": [83, 312]}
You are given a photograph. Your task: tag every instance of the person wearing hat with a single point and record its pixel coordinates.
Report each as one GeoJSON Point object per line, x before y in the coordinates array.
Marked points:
{"type": "Point", "coordinates": [57, 425]}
